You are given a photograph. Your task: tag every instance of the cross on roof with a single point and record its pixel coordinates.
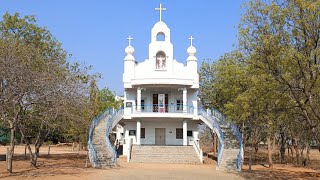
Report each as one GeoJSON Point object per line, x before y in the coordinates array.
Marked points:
{"type": "Point", "coordinates": [160, 9]}
{"type": "Point", "coordinates": [129, 39]}
{"type": "Point", "coordinates": [191, 39]}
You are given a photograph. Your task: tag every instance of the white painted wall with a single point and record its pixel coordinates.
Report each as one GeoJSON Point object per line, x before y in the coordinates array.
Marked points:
{"type": "Point", "coordinates": [170, 130]}
{"type": "Point", "coordinates": [145, 72]}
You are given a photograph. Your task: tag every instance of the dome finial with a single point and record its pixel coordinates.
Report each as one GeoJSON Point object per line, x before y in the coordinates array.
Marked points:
{"type": "Point", "coordinates": [191, 51]}
{"type": "Point", "coordinates": [129, 50]}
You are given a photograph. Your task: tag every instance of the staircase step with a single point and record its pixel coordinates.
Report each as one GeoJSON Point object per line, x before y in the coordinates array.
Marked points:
{"type": "Point", "coordinates": [104, 155]}
{"type": "Point", "coordinates": [164, 154]}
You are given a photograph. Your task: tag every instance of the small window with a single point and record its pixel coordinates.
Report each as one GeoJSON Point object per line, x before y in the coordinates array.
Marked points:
{"type": "Point", "coordinates": [179, 105]}
{"type": "Point", "coordinates": [129, 104]}
{"type": "Point", "coordinates": [179, 133]}
{"type": "Point", "coordinates": [189, 133]}
{"type": "Point", "coordinates": [142, 104]}
{"type": "Point", "coordinates": [143, 133]}
{"type": "Point", "coordinates": [161, 36]}
{"type": "Point", "coordinates": [132, 132]}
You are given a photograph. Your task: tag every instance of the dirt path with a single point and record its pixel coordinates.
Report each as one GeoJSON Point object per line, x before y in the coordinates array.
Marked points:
{"type": "Point", "coordinates": [64, 164]}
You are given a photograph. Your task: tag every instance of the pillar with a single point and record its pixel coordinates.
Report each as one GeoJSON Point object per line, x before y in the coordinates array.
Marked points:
{"type": "Point", "coordinates": [184, 97]}
{"type": "Point", "coordinates": [138, 132]}
{"type": "Point", "coordinates": [139, 99]}
{"type": "Point", "coordinates": [185, 129]}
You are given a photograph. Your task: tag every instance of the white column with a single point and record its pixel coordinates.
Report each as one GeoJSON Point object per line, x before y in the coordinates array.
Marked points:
{"type": "Point", "coordinates": [195, 108]}
{"type": "Point", "coordinates": [184, 96]}
{"type": "Point", "coordinates": [138, 132]}
{"type": "Point", "coordinates": [139, 99]}
{"type": "Point", "coordinates": [185, 129]}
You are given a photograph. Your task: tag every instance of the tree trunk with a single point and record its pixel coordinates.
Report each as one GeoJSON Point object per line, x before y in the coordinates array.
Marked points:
{"type": "Point", "coordinates": [36, 152]}
{"type": "Point", "coordinates": [11, 149]}
{"type": "Point", "coordinates": [269, 141]}
{"type": "Point", "coordinates": [33, 160]}
{"type": "Point", "coordinates": [282, 148]}
{"type": "Point", "coordinates": [308, 154]}
{"type": "Point", "coordinates": [256, 149]}
{"type": "Point", "coordinates": [26, 140]}
{"type": "Point", "coordinates": [213, 136]}
{"type": "Point", "coordinates": [296, 148]}
{"type": "Point", "coordinates": [214, 145]}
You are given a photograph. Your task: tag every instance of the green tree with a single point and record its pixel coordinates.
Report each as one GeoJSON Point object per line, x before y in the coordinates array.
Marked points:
{"type": "Point", "coordinates": [40, 89]}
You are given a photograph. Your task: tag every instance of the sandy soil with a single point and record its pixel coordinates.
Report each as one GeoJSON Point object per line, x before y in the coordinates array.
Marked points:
{"type": "Point", "coordinates": [260, 168]}
{"type": "Point", "coordinates": [64, 164]}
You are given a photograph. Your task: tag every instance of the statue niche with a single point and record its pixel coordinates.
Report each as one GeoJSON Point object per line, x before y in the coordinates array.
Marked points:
{"type": "Point", "coordinates": [161, 60]}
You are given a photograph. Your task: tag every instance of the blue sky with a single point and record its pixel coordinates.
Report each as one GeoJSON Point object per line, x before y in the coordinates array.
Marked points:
{"type": "Point", "coordinates": [95, 32]}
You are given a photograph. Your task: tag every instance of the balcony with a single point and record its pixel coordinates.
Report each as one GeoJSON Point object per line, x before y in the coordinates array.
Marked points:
{"type": "Point", "coordinates": [155, 110]}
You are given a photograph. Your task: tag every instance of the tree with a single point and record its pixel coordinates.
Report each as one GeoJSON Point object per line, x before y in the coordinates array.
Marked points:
{"type": "Point", "coordinates": [270, 82]}
{"type": "Point", "coordinates": [39, 88]}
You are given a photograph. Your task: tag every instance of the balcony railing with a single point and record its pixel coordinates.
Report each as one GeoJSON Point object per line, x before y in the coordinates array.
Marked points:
{"type": "Point", "coordinates": [167, 108]}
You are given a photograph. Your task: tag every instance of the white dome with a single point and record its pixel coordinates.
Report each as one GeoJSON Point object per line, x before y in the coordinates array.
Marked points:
{"type": "Point", "coordinates": [191, 51]}
{"type": "Point", "coordinates": [129, 50]}
{"type": "Point", "coordinates": [160, 25]}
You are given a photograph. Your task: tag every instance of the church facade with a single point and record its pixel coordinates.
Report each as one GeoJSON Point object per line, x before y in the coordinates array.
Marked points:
{"type": "Point", "coordinates": [160, 95]}
{"type": "Point", "coordinates": [160, 120]}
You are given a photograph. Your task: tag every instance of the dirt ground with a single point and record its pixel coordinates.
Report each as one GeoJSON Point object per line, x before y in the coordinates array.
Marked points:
{"type": "Point", "coordinates": [260, 168]}
{"type": "Point", "coordinates": [62, 163]}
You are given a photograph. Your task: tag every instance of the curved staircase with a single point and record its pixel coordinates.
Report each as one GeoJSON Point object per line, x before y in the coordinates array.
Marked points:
{"type": "Point", "coordinates": [230, 152]}
{"type": "Point", "coordinates": [101, 152]}
{"type": "Point", "coordinates": [104, 155]}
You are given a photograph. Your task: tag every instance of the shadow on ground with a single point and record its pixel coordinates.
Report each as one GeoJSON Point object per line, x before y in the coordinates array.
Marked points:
{"type": "Point", "coordinates": [278, 174]}
{"type": "Point", "coordinates": [48, 165]}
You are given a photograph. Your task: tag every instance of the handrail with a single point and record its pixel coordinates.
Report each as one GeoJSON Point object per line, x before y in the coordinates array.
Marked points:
{"type": "Point", "coordinates": [116, 117]}
{"type": "Point", "coordinates": [112, 122]}
{"type": "Point", "coordinates": [235, 130]}
{"type": "Point", "coordinates": [167, 108]}
{"type": "Point", "coordinates": [91, 148]}
{"type": "Point", "coordinates": [218, 131]}
{"type": "Point", "coordinates": [198, 150]}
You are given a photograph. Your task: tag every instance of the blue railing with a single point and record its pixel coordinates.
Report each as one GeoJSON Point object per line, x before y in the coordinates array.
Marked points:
{"type": "Point", "coordinates": [112, 122]}
{"type": "Point", "coordinates": [218, 131]}
{"type": "Point", "coordinates": [235, 130]}
{"type": "Point", "coordinates": [95, 121]}
{"type": "Point", "coordinates": [167, 108]}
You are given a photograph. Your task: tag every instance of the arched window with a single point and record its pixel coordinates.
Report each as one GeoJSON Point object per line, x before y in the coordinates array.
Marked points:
{"type": "Point", "coordinates": [161, 36]}
{"type": "Point", "coordinates": [161, 60]}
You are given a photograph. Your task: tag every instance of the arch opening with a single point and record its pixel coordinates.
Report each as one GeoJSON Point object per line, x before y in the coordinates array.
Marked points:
{"type": "Point", "coordinates": [161, 36]}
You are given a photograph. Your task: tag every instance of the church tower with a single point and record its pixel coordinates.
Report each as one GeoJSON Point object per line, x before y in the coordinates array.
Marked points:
{"type": "Point", "coordinates": [160, 48]}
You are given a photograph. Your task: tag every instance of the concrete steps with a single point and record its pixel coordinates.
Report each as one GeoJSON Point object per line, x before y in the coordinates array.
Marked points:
{"type": "Point", "coordinates": [231, 150]}
{"type": "Point", "coordinates": [104, 155]}
{"type": "Point", "coordinates": [164, 154]}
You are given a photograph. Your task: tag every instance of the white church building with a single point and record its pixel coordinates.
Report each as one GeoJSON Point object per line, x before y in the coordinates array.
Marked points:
{"type": "Point", "coordinates": [160, 94]}
{"type": "Point", "coordinates": [160, 121]}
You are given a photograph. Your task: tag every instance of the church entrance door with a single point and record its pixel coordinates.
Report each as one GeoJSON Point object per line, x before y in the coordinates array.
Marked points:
{"type": "Point", "coordinates": [160, 136]}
